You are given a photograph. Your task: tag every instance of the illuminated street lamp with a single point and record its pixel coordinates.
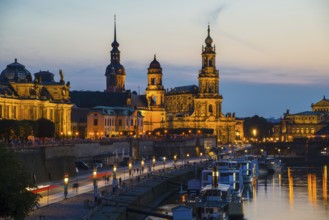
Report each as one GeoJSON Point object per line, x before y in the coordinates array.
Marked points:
{"type": "Point", "coordinates": [114, 171]}
{"type": "Point", "coordinates": [175, 159]}
{"type": "Point", "coordinates": [153, 163]}
{"type": "Point", "coordinates": [164, 162]}
{"type": "Point", "coordinates": [142, 165]}
{"type": "Point", "coordinates": [187, 156]}
{"type": "Point", "coordinates": [130, 167]}
{"type": "Point", "coordinates": [114, 181]}
{"type": "Point", "coordinates": [66, 183]}
{"type": "Point", "coordinates": [201, 156]}
{"type": "Point", "coordinates": [95, 183]}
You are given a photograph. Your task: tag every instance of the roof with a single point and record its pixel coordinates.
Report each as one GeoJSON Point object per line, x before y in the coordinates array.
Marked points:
{"type": "Point", "coordinates": [322, 102]}
{"type": "Point", "coordinates": [16, 72]}
{"type": "Point", "coordinates": [118, 111]}
{"type": "Point", "coordinates": [192, 89]}
{"type": "Point", "coordinates": [138, 100]}
{"type": "Point", "coordinates": [308, 113]}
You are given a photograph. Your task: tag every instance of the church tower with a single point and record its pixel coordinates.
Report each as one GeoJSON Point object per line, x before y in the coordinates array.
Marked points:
{"type": "Point", "coordinates": [155, 91]}
{"type": "Point", "coordinates": [115, 72]}
{"type": "Point", "coordinates": [208, 101]}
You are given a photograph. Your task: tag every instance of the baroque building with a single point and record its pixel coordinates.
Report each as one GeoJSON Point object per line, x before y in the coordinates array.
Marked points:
{"type": "Point", "coordinates": [22, 98]}
{"type": "Point", "coordinates": [307, 124]}
{"type": "Point", "coordinates": [193, 107]}
{"type": "Point", "coordinates": [115, 72]}
{"type": "Point", "coordinates": [201, 107]}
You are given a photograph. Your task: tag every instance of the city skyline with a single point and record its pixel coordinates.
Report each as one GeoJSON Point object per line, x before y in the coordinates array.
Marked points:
{"type": "Point", "coordinates": [271, 56]}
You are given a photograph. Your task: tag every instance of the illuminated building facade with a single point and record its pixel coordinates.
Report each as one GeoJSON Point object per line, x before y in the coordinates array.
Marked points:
{"type": "Point", "coordinates": [22, 98]}
{"type": "Point", "coordinates": [182, 107]}
{"type": "Point", "coordinates": [201, 106]}
{"type": "Point", "coordinates": [306, 124]}
{"type": "Point", "coordinates": [113, 121]}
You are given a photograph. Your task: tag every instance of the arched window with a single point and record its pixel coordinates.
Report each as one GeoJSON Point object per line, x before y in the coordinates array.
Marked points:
{"type": "Point", "coordinates": [210, 108]}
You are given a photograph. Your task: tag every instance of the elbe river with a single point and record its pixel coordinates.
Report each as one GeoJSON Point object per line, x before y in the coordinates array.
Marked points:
{"type": "Point", "coordinates": [296, 193]}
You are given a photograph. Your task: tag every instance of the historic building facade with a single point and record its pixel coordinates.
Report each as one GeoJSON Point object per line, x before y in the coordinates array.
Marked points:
{"type": "Point", "coordinates": [115, 72]}
{"type": "Point", "coordinates": [113, 121]}
{"type": "Point", "coordinates": [306, 124]}
{"type": "Point", "coordinates": [22, 98]}
{"type": "Point", "coordinates": [201, 107]}
{"type": "Point", "coordinates": [182, 107]}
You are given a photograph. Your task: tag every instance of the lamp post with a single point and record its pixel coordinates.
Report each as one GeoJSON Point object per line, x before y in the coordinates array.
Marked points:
{"type": "Point", "coordinates": [164, 162]}
{"type": "Point", "coordinates": [175, 159]}
{"type": "Point", "coordinates": [114, 181]}
{"type": "Point", "coordinates": [201, 156]}
{"type": "Point", "coordinates": [142, 165]}
{"type": "Point", "coordinates": [66, 183]}
{"type": "Point", "coordinates": [187, 155]}
{"type": "Point", "coordinates": [153, 163]}
{"type": "Point", "coordinates": [95, 183]}
{"type": "Point", "coordinates": [130, 166]}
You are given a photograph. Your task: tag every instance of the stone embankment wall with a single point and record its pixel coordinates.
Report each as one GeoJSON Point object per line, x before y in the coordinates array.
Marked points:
{"type": "Point", "coordinates": [146, 196]}
{"type": "Point", "coordinates": [49, 163]}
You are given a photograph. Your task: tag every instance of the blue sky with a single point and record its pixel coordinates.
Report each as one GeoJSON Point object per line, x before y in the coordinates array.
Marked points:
{"type": "Point", "coordinates": [272, 55]}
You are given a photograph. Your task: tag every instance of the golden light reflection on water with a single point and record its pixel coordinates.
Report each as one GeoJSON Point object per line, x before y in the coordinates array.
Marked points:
{"type": "Point", "coordinates": [311, 188]}
{"type": "Point", "coordinates": [291, 188]}
{"type": "Point", "coordinates": [325, 186]}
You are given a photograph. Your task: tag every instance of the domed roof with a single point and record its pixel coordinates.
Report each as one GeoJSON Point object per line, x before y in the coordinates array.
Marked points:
{"type": "Point", "coordinates": [155, 64]}
{"type": "Point", "coordinates": [44, 76]}
{"type": "Point", "coordinates": [15, 72]}
{"type": "Point", "coordinates": [117, 67]}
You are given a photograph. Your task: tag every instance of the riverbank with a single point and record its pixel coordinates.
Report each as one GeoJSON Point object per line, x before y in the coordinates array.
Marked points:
{"type": "Point", "coordinates": [128, 203]}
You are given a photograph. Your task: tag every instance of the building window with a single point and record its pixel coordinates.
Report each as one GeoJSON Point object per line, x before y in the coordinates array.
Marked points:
{"type": "Point", "coordinates": [95, 121]}
{"type": "Point", "coordinates": [210, 108]}
{"type": "Point", "coordinates": [152, 81]}
{"type": "Point", "coordinates": [132, 122]}
{"type": "Point", "coordinates": [120, 122]}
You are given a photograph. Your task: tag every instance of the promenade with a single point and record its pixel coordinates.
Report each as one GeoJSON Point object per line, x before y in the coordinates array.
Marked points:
{"type": "Point", "coordinates": [76, 206]}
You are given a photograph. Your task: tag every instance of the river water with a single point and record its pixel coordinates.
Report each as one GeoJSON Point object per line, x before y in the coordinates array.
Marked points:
{"type": "Point", "coordinates": [297, 193]}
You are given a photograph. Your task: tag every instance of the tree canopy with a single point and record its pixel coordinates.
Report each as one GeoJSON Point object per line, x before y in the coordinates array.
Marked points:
{"type": "Point", "coordinates": [15, 200]}
{"type": "Point", "coordinates": [20, 130]}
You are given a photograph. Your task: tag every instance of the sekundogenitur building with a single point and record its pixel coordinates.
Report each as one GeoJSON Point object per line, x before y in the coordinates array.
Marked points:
{"type": "Point", "coordinates": [24, 98]}
{"type": "Point", "coordinates": [97, 114]}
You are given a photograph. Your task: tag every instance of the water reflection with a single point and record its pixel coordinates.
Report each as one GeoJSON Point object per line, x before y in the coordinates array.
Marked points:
{"type": "Point", "coordinates": [325, 186]}
{"type": "Point", "coordinates": [291, 188]}
{"type": "Point", "coordinates": [296, 193]}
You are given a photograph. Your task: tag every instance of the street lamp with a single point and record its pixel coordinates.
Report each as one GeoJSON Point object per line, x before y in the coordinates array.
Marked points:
{"type": "Point", "coordinates": [66, 183]}
{"type": "Point", "coordinates": [187, 155]}
{"type": "Point", "coordinates": [130, 166]}
{"type": "Point", "coordinates": [142, 165]}
{"type": "Point", "coordinates": [164, 162]}
{"type": "Point", "coordinates": [95, 183]}
{"type": "Point", "coordinates": [175, 159]}
{"type": "Point", "coordinates": [201, 156]}
{"type": "Point", "coordinates": [153, 163]}
{"type": "Point", "coordinates": [114, 181]}
{"type": "Point", "coordinates": [114, 171]}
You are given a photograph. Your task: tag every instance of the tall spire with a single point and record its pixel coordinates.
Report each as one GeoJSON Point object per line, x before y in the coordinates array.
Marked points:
{"type": "Point", "coordinates": [115, 28]}
{"type": "Point", "coordinates": [115, 44]}
{"type": "Point", "coordinates": [208, 39]}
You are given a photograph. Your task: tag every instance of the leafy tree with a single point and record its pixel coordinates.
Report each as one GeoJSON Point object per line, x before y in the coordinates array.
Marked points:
{"type": "Point", "coordinates": [45, 128]}
{"type": "Point", "coordinates": [15, 200]}
{"type": "Point", "coordinates": [8, 129]}
{"type": "Point", "coordinates": [262, 126]}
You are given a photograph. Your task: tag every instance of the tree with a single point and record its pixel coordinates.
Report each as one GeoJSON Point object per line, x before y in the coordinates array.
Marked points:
{"type": "Point", "coordinates": [260, 124]}
{"type": "Point", "coordinates": [15, 200]}
{"type": "Point", "coordinates": [45, 128]}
